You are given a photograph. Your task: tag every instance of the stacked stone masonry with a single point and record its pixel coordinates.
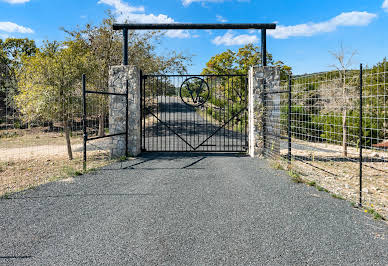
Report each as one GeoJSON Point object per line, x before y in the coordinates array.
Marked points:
{"type": "Point", "coordinates": [264, 112]}
{"type": "Point", "coordinates": [118, 77]}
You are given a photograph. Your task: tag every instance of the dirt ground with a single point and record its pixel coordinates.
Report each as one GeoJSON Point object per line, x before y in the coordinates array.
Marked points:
{"type": "Point", "coordinates": [24, 174]}
{"type": "Point", "coordinates": [325, 164]}
{"type": "Point", "coordinates": [32, 157]}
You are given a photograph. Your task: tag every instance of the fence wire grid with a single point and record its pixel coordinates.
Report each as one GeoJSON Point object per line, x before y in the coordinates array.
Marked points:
{"type": "Point", "coordinates": [33, 143]}
{"type": "Point", "coordinates": [334, 132]}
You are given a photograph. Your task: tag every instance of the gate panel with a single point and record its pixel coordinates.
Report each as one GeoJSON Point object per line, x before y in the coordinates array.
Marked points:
{"type": "Point", "coordinates": [194, 113]}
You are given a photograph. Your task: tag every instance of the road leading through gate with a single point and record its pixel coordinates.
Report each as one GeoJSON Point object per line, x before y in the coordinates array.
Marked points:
{"type": "Point", "coordinates": [194, 113]}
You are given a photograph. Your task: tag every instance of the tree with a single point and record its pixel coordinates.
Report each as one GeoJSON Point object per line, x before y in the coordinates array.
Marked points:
{"type": "Point", "coordinates": [230, 62]}
{"type": "Point", "coordinates": [48, 83]}
{"type": "Point", "coordinates": [339, 95]}
{"type": "Point", "coordinates": [11, 52]}
{"type": "Point", "coordinates": [105, 47]}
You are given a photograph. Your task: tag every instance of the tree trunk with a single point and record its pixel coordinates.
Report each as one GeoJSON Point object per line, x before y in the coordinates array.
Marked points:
{"type": "Point", "coordinates": [67, 136]}
{"type": "Point", "coordinates": [101, 125]}
{"type": "Point", "coordinates": [51, 126]}
{"type": "Point", "coordinates": [344, 134]}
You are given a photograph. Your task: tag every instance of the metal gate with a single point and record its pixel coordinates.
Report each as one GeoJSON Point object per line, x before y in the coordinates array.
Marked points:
{"type": "Point", "coordinates": [194, 113]}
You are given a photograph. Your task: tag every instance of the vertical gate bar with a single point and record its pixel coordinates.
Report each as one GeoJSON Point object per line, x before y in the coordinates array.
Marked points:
{"type": "Point", "coordinates": [169, 113]}
{"type": "Point", "coordinates": [181, 108]}
{"type": "Point", "coordinates": [157, 115]}
{"type": "Point", "coordinates": [289, 119]}
{"type": "Point", "coordinates": [145, 118]}
{"type": "Point", "coordinates": [246, 118]}
{"type": "Point", "coordinates": [125, 47]}
{"type": "Point", "coordinates": [231, 98]}
{"type": "Point", "coordinates": [126, 120]}
{"type": "Point", "coordinates": [264, 47]}
{"type": "Point", "coordinates": [235, 125]}
{"type": "Point", "coordinates": [241, 124]}
{"type": "Point", "coordinates": [361, 134]}
{"type": "Point", "coordinates": [228, 96]}
{"type": "Point", "coordinates": [233, 122]}
{"type": "Point", "coordinates": [173, 109]}
{"type": "Point", "coordinates": [224, 114]}
{"type": "Point", "coordinates": [141, 110]}
{"type": "Point", "coordinates": [214, 85]}
{"type": "Point", "coordinates": [211, 109]}
{"type": "Point", "coordinates": [219, 116]}
{"type": "Point", "coordinates": [157, 98]}
{"type": "Point", "coordinates": [207, 82]}
{"type": "Point", "coordinates": [84, 117]}
{"type": "Point", "coordinates": [217, 139]}
{"type": "Point", "coordinates": [145, 115]}
{"type": "Point", "coordinates": [164, 110]}
{"type": "Point", "coordinates": [187, 129]}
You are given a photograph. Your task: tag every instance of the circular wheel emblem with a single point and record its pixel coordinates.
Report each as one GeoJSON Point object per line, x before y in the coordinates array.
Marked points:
{"type": "Point", "coordinates": [194, 91]}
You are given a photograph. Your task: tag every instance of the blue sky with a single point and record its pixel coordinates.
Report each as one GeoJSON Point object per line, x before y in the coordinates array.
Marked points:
{"type": "Point", "coordinates": [307, 30]}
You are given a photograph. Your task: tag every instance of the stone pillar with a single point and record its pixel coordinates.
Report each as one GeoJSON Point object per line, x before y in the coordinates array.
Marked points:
{"type": "Point", "coordinates": [118, 76]}
{"type": "Point", "coordinates": [264, 111]}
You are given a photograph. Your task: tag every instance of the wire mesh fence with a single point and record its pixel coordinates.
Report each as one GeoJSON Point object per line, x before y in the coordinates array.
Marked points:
{"type": "Point", "coordinates": [41, 132]}
{"type": "Point", "coordinates": [334, 132]}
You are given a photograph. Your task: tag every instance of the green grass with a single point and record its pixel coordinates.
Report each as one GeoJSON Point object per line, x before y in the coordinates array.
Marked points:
{"type": "Point", "coordinates": [336, 196]}
{"type": "Point", "coordinates": [122, 159]}
{"type": "Point", "coordinates": [6, 195]}
{"type": "Point", "coordinates": [276, 165]}
{"type": "Point", "coordinates": [70, 171]}
{"type": "Point", "coordinates": [311, 183]}
{"type": "Point", "coordinates": [295, 177]}
{"type": "Point", "coordinates": [374, 213]}
{"type": "Point", "coordinates": [319, 188]}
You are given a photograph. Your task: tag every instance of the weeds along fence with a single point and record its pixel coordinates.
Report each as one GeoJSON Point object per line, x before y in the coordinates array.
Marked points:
{"type": "Point", "coordinates": [42, 128]}
{"type": "Point", "coordinates": [334, 132]}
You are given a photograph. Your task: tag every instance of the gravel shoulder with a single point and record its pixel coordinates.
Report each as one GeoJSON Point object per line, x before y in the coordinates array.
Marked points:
{"type": "Point", "coordinates": [184, 209]}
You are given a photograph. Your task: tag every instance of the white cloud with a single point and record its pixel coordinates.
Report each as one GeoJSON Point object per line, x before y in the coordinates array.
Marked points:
{"type": "Point", "coordinates": [230, 39]}
{"type": "Point", "coordinates": [126, 13]}
{"type": "Point", "coordinates": [189, 2]}
{"type": "Point", "coordinates": [345, 19]}
{"type": "Point", "coordinates": [12, 27]}
{"type": "Point", "coordinates": [221, 19]}
{"type": "Point", "coordinates": [16, 1]}
{"type": "Point", "coordinates": [385, 5]}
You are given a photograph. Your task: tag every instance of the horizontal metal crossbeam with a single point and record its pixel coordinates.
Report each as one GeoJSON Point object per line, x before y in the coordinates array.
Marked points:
{"type": "Point", "coordinates": [195, 26]}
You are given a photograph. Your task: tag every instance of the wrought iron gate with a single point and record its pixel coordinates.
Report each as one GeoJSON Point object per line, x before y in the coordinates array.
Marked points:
{"type": "Point", "coordinates": [194, 113]}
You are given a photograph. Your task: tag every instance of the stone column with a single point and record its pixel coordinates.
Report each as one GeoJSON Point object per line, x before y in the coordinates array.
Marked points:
{"type": "Point", "coordinates": [264, 111]}
{"type": "Point", "coordinates": [118, 76]}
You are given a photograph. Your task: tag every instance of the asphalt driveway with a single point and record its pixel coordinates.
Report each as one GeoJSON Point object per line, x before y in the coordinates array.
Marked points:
{"type": "Point", "coordinates": [176, 209]}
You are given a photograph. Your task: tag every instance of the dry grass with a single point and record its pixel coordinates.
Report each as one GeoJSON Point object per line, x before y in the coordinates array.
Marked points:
{"type": "Point", "coordinates": [340, 175]}
{"type": "Point", "coordinates": [26, 144]}
{"type": "Point", "coordinates": [32, 157]}
{"type": "Point", "coordinates": [24, 174]}
{"type": "Point", "coordinates": [19, 138]}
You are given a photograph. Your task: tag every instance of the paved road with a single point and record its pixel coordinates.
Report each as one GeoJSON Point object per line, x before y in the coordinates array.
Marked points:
{"type": "Point", "coordinates": [186, 210]}
{"type": "Point", "coordinates": [182, 128]}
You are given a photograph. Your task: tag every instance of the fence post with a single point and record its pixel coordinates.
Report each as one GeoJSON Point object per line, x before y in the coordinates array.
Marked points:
{"type": "Point", "coordinates": [125, 47]}
{"type": "Point", "coordinates": [360, 135]}
{"type": "Point", "coordinates": [289, 119]}
{"type": "Point", "coordinates": [127, 120]}
{"type": "Point", "coordinates": [84, 120]}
